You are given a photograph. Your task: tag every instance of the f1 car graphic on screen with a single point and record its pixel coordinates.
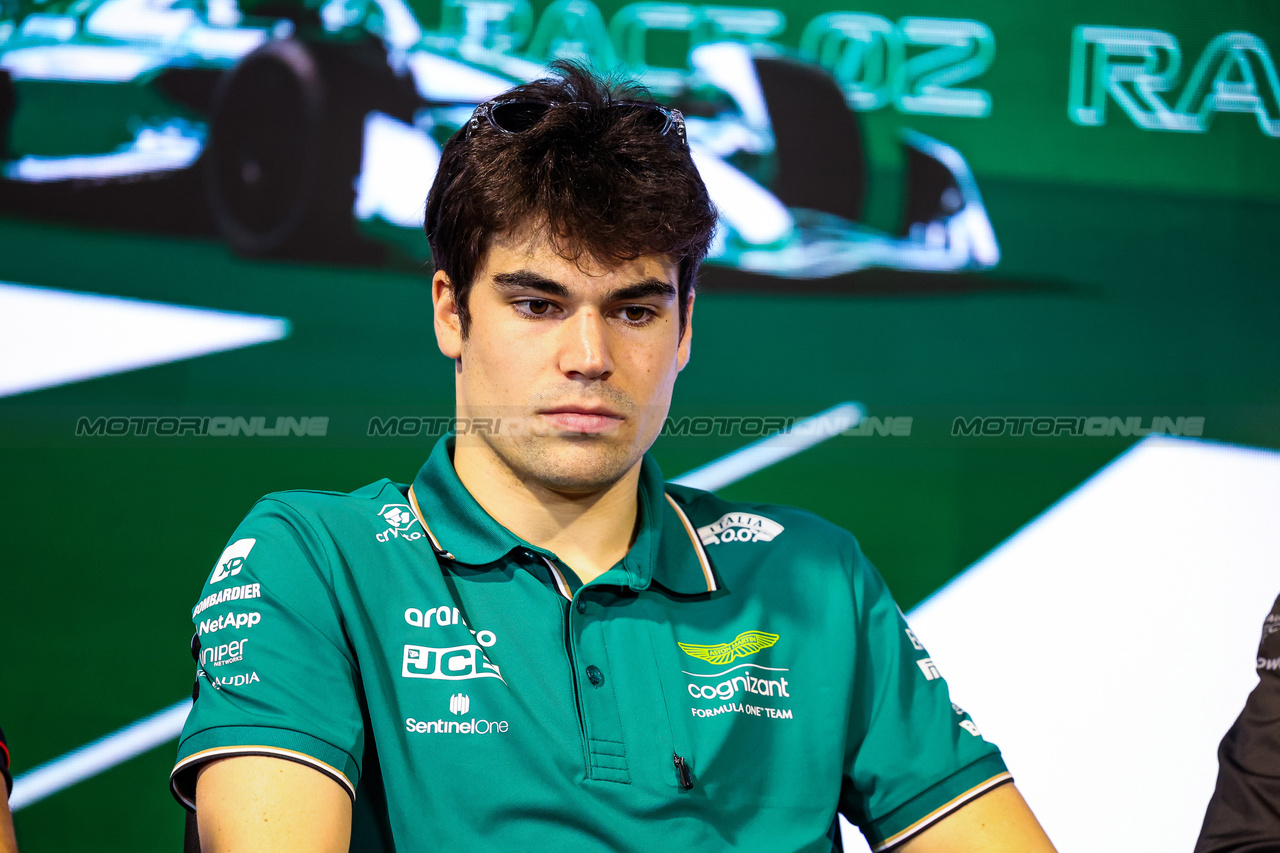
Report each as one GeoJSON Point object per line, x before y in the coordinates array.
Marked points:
{"type": "Point", "coordinates": [309, 129]}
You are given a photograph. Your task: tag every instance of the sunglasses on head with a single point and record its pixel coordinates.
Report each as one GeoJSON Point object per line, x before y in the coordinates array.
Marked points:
{"type": "Point", "coordinates": [517, 116]}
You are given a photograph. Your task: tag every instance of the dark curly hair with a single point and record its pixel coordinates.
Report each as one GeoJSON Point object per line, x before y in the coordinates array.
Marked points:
{"type": "Point", "coordinates": [600, 182]}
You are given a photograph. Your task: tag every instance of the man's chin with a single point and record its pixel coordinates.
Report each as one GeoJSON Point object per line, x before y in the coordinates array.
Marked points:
{"type": "Point", "coordinates": [575, 463]}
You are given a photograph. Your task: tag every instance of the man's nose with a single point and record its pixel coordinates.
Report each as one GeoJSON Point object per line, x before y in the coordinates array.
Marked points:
{"type": "Point", "coordinates": [584, 350]}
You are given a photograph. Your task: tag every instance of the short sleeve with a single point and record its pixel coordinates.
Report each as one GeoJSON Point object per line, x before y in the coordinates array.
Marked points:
{"type": "Point", "coordinates": [274, 673]}
{"type": "Point", "coordinates": [912, 756]}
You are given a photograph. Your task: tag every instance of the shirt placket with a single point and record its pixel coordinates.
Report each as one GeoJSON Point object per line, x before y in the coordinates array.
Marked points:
{"type": "Point", "coordinates": [604, 748]}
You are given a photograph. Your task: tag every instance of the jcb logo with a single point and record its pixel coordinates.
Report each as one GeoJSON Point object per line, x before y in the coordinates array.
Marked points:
{"type": "Point", "coordinates": [454, 663]}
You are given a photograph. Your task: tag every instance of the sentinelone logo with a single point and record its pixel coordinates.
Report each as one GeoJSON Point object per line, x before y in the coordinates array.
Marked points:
{"type": "Point", "coordinates": [218, 427]}
{"type": "Point", "coordinates": [1096, 426]}
{"type": "Point", "coordinates": [459, 704]}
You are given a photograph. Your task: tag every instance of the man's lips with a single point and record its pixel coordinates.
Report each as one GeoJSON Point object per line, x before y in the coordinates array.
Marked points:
{"type": "Point", "coordinates": [583, 419]}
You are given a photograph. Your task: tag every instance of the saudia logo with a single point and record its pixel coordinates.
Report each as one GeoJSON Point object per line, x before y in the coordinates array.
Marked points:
{"type": "Point", "coordinates": [453, 663]}
{"type": "Point", "coordinates": [242, 680]}
{"type": "Point", "coordinates": [740, 527]}
{"type": "Point", "coordinates": [232, 560]}
{"type": "Point", "coordinates": [746, 643]}
{"type": "Point", "coordinates": [401, 520]}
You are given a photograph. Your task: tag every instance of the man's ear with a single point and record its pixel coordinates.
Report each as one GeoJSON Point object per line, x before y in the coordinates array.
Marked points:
{"type": "Point", "coordinates": [685, 349]}
{"type": "Point", "coordinates": [448, 323]}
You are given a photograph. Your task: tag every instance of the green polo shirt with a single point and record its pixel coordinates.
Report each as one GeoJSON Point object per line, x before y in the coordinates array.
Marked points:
{"type": "Point", "coordinates": [740, 677]}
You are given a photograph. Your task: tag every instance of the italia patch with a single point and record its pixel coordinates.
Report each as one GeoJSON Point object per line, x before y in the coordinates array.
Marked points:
{"type": "Point", "coordinates": [739, 527]}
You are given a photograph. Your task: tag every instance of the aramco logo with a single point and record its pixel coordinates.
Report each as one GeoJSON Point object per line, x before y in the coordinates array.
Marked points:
{"type": "Point", "coordinates": [459, 703]}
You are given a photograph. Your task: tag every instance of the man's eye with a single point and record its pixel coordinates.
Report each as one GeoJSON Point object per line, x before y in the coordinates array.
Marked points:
{"type": "Point", "coordinates": [537, 306]}
{"type": "Point", "coordinates": [636, 313]}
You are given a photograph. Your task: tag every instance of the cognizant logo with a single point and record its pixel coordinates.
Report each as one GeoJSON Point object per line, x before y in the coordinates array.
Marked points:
{"type": "Point", "coordinates": [744, 683]}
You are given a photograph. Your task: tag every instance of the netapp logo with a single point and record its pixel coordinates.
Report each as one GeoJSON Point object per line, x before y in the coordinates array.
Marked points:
{"type": "Point", "coordinates": [454, 663]}
{"type": "Point", "coordinates": [229, 620]}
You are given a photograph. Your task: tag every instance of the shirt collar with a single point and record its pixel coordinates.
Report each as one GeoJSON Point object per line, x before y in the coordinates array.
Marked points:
{"type": "Point", "coordinates": [667, 549]}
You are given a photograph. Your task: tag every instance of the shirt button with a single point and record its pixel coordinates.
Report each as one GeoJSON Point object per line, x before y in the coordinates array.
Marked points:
{"type": "Point", "coordinates": [580, 606]}
{"type": "Point", "coordinates": [594, 675]}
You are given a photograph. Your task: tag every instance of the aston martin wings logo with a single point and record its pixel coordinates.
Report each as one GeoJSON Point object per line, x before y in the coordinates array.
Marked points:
{"type": "Point", "coordinates": [746, 643]}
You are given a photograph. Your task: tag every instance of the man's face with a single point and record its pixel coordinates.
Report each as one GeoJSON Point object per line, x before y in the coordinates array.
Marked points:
{"type": "Point", "coordinates": [577, 359]}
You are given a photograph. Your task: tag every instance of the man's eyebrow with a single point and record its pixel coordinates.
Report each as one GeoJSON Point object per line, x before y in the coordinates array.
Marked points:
{"type": "Point", "coordinates": [526, 280]}
{"type": "Point", "coordinates": [642, 290]}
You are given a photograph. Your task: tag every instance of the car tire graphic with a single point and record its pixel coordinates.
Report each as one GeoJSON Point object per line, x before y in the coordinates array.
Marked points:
{"type": "Point", "coordinates": [284, 152]}
{"type": "Point", "coordinates": [821, 163]}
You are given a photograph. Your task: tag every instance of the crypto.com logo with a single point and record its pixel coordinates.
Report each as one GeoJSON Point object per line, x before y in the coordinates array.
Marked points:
{"type": "Point", "coordinates": [400, 520]}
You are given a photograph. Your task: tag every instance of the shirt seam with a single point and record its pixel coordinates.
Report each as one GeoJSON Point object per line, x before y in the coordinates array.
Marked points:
{"type": "Point", "coordinates": [946, 809]}
{"type": "Point", "coordinates": [184, 741]}
{"type": "Point", "coordinates": [326, 578]}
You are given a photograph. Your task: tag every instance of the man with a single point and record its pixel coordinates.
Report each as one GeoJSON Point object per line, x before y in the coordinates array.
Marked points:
{"type": "Point", "coordinates": [8, 844]}
{"type": "Point", "coordinates": [1244, 812]}
{"type": "Point", "coordinates": [540, 644]}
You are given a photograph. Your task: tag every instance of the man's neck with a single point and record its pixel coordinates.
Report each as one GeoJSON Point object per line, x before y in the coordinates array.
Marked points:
{"type": "Point", "coordinates": [588, 532]}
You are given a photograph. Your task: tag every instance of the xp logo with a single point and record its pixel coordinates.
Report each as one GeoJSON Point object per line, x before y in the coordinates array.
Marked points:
{"type": "Point", "coordinates": [740, 527]}
{"type": "Point", "coordinates": [232, 560]}
{"type": "Point", "coordinates": [453, 663]}
{"type": "Point", "coordinates": [459, 703]}
{"type": "Point", "coordinates": [746, 643]}
{"type": "Point", "coordinates": [400, 520]}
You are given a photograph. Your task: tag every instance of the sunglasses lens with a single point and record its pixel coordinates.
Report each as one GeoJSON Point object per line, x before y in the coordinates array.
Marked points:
{"type": "Point", "coordinates": [517, 116]}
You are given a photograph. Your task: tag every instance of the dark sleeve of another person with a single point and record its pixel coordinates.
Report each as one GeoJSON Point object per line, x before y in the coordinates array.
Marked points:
{"type": "Point", "coordinates": [1244, 812]}
{"type": "Point", "coordinates": [4, 764]}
